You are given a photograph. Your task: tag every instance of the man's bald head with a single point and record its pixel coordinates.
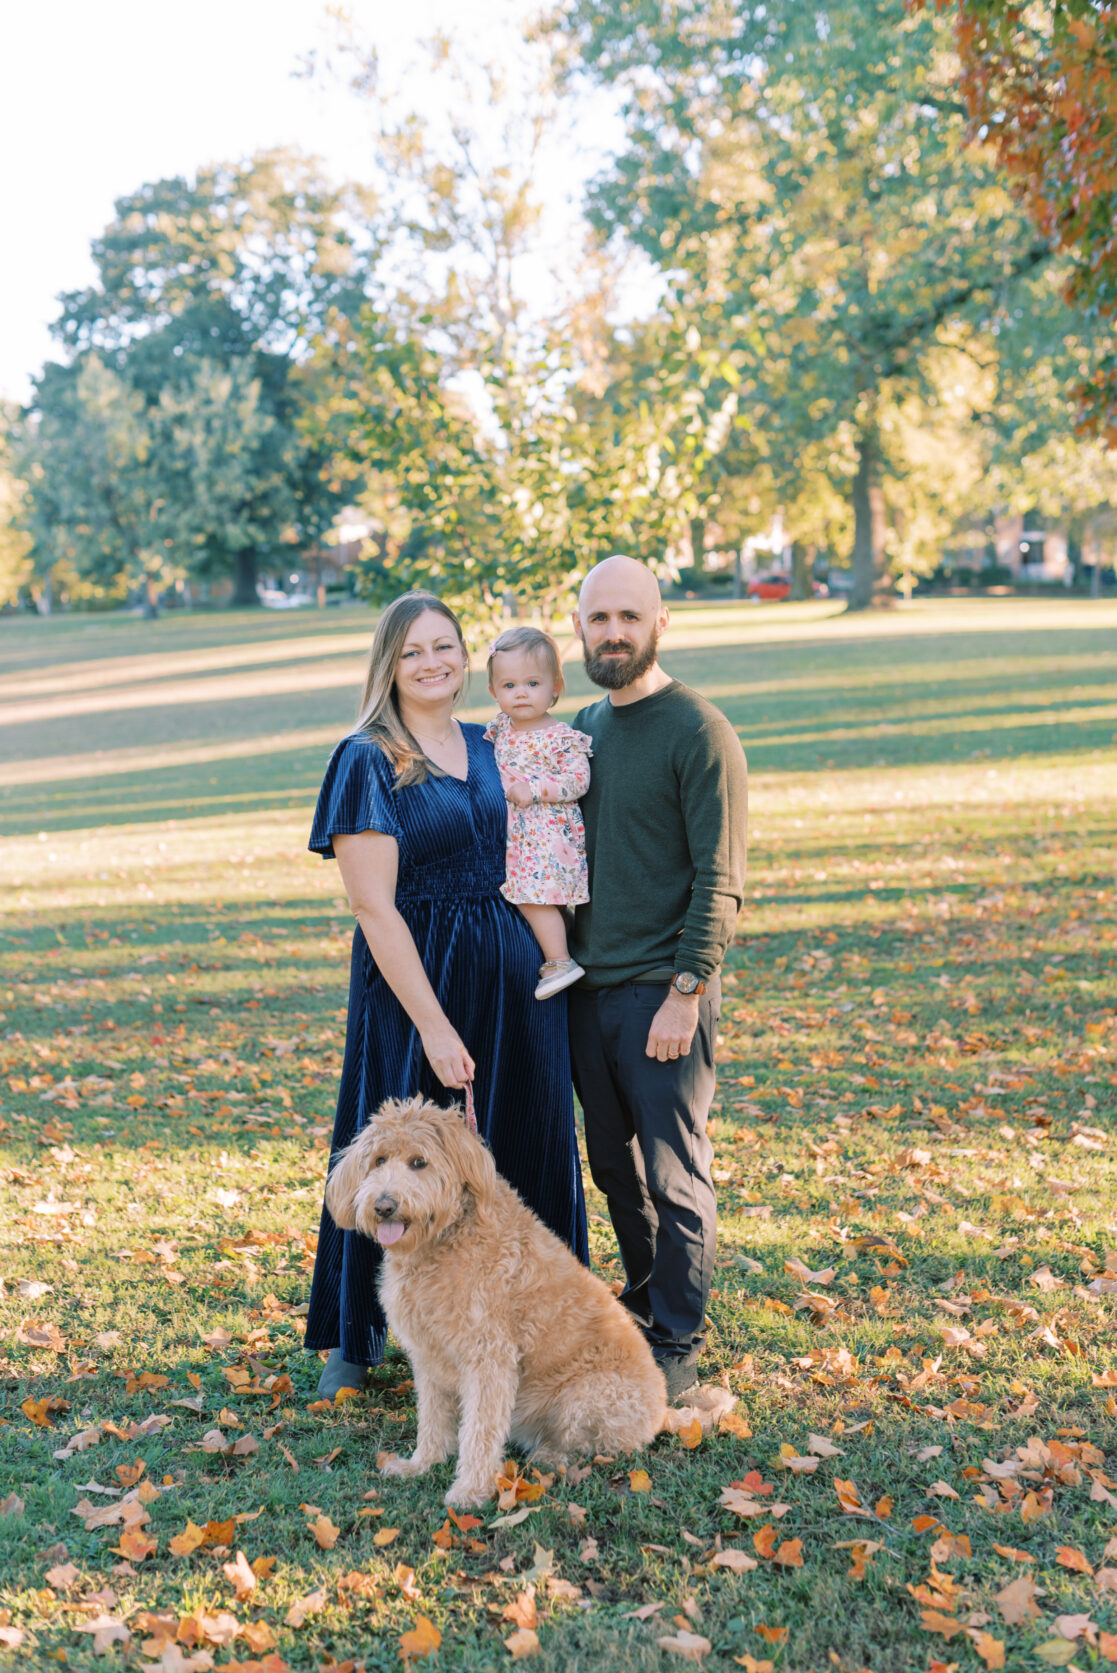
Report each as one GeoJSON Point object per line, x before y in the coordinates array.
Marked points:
{"type": "Point", "coordinates": [619, 619]}
{"type": "Point", "coordinates": [624, 577]}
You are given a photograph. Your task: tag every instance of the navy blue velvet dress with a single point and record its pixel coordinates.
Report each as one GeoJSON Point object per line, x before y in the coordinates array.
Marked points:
{"type": "Point", "coordinates": [482, 961]}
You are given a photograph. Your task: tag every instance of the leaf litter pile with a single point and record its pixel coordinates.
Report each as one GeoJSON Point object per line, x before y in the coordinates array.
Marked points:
{"type": "Point", "coordinates": [911, 1461]}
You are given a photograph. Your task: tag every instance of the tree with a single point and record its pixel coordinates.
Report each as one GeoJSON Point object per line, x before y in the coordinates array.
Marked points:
{"type": "Point", "coordinates": [227, 277]}
{"type": "Point", "coordinates": [1040, 85]}
{"type": "Point", "coordinates": [496, 443]}
{"type": "Point", "coordinates": [802, 173]}
{"type": "Point", "coordinates": [16, 566]}
{"type": "Point", "coordinates": [122, 492]}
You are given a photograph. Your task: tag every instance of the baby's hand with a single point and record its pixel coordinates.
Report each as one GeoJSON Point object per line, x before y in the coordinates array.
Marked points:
{"type": "Point", "coordinates": [518, 792]}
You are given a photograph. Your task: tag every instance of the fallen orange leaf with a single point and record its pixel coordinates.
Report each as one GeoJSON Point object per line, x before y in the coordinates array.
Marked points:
{"type": "Point", "coordinates": [1068, 1557]}
{"type": "Point", "coordinates": [41, 1411]}
{"type": "Point", "coordinates": [764, 1539]}
{"type": "Point", "coordinates": [773, 1635]}
{"type": "Point", "coordinates": [240, 1576]}
{"type": "Point", "coordinates": [260, 1639]}
{"type": "Point", "coordinates": [790, 1554]}
{"type": "Point", "coordinates": [328, 1535]}
{"type": "Point", "coordinates": [136, 1546]}
{"type": "Point", "coordinates": [1017, 1600]}
{"type": "Point", "coordinates": [522, 1644]}
{"type": "Point", "coordinates": [639, 1481]}
{"type": "Point", "coordinates": [690, 1435]}
{"type": "Point", "coordinates": [304, 1606]}
{"type": "Point", "coordinates": [933, 1620]}
{"type": "Point", "coordinates": [522, 1611]}
{"type": "Point", "coordinates": [187, 1541]}
{"type": "Point", "coordinates": [423, 1639]}
{"type": "Point", "coordinates": [990, 1649]}
{"type": "Point", "coordinates": [383, 1536]}
{"type": "Point", "coordinates": [404, 1578]}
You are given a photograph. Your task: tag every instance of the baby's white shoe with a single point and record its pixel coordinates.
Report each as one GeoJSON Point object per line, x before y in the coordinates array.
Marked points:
{"type": "Point", "coordinates": [557, 974]}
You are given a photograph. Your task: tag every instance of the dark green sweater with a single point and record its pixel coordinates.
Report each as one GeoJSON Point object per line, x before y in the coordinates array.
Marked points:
{"type": "Point", "coordinates": [666, 825]}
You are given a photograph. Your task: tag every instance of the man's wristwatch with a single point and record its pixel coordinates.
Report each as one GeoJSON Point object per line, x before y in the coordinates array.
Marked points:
{"type": "Point", "coordinates": [686, 982]}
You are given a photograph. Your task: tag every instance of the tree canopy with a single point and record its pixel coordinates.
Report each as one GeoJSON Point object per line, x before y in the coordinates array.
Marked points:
{"type": "Point", "coordinates": [169, 439]}
{"type": "Point", "coordinates": [1040, 84]}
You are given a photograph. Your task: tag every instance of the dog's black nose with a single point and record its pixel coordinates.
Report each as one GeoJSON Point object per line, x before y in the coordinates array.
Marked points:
{"type": "Point", "coordinates": [386, 1205]}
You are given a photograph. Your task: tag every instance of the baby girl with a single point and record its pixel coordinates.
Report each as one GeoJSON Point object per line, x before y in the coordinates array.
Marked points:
{"type": "Point", "coordinates": [544, 769]}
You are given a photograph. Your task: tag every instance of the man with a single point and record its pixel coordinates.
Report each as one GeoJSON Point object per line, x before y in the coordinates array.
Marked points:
{"type": "Point", "coordinates": [666, 817]}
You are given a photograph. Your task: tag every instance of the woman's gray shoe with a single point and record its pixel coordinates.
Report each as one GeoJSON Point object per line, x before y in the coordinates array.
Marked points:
{"type": "Point", "coordinates": [339, 1373]}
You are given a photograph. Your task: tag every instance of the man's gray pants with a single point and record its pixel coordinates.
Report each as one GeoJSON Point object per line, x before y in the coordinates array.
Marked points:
{"type": "Point", "coordinates": [650, 1155]}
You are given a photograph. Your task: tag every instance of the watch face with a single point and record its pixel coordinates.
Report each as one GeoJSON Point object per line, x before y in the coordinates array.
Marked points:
{"type": "Point", "coordinates": [685, 982]}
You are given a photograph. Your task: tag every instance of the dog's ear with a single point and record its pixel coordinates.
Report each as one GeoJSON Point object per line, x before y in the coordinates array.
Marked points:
{"type": "Point", "coordinates": [345, 1177]}
{"type": "Point", "coordinates": [472, 1159]}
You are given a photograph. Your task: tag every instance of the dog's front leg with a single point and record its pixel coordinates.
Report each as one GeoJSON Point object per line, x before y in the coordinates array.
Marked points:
{"type": "Point", "coordinates": [488, 1399]}
{"type": "Point", "coordinates": [438, 1426]}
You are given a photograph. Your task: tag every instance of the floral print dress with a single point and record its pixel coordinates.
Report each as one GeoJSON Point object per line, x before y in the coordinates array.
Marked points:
{"type": "Point", "coordinates": [546, 853]}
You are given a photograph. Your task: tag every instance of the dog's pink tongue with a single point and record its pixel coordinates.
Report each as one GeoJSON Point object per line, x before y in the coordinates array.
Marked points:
{"type": "Point", "coordinates": [389, 1231]}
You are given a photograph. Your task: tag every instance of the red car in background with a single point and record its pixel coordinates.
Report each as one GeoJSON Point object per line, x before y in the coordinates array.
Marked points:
{"type": "Point", "coordinates": [777, 586]}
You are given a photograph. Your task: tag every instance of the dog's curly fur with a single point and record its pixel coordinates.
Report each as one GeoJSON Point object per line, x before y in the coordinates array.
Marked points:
{"type": "Point", "coordinates": [510, 1338]}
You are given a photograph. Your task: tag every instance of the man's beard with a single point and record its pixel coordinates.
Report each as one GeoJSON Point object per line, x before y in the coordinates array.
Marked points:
{"type": "Point", "coordinates": [616, 672]}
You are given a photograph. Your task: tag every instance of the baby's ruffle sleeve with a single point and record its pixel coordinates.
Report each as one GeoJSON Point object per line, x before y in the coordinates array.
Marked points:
{"type": "Point", "coordinates": [357, 795]}
{"type": "Point", "coordinates": [567, 776]}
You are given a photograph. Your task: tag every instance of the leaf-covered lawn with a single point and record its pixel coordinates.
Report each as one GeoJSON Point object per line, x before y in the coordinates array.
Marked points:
{"type": "Point", "coordinates": [918, 1258]}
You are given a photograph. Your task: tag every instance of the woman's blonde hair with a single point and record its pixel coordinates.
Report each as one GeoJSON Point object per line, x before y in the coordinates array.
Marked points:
{"type": "Point", "coordinates": [379, 714]}
{"type": "Point", "coordinates": [532, 640]}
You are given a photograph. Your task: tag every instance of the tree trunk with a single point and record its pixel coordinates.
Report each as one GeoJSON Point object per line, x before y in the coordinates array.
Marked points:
{"type": "Point", "coordinates": [739, 572]}
{"type": "Point", "coordinates": [244, 579]}
{"type": "Point", "coordinates": [698, 542]}
{"type": "Point", "coordinates": [149, 599]}
{"type": "Point", "coordinates": [1091, 553]}
{"type": "Point", "coordinates": [868, 525]}
{"type": "Point", "coordinates": [802, 570]}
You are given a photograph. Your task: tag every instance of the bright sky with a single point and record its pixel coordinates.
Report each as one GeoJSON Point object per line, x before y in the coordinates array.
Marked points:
{"type": "Point", "coordinates": [97, 99]}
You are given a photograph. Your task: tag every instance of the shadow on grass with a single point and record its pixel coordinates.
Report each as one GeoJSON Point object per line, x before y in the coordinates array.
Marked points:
{"type": "Point", "coordinates": [800, 705]}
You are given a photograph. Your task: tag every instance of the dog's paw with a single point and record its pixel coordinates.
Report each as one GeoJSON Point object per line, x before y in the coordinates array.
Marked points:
{"type": "Point", "coordinates": [464, 1495]}
{"type": "Point", "coordinates": [401, 1466]}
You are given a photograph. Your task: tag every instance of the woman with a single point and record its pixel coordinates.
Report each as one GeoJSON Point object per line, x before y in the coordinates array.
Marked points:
{"type": "Point", "coordinates": [443, 968]}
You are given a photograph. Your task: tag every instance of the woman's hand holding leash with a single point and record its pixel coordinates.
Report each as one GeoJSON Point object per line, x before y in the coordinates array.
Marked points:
{"type": "Point", "coordinates": [447, 1056]}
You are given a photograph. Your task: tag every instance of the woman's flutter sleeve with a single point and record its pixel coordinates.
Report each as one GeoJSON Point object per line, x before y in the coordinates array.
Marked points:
{"type": "Point", "coordinates": [566, 775]}
{"type": "Point", "coordinates": [356, 795]}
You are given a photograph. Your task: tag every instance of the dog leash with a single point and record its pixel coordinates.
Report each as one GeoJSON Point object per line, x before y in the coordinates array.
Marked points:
{"type": "Point", "coordinates": [470, 1108]}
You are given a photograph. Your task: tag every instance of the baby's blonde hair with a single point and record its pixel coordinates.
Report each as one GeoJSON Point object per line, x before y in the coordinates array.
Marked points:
{"type": "Point", "coordinates": [534, 641]}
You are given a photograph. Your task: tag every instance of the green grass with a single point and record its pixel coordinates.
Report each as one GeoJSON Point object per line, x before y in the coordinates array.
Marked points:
{"type": "Point", "coordinates": [919, 1046]}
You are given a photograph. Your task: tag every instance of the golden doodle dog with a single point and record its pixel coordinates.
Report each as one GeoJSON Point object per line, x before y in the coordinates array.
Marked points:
{"type": "Point", "coordinates": [510, 1338]}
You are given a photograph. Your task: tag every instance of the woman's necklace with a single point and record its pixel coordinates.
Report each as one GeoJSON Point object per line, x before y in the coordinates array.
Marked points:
{"type": "Point", "coordinates": [426, 737]}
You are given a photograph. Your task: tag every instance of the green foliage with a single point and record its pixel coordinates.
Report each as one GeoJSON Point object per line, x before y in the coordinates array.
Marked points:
{"type": "Point", "coordinates": [169, 443]}
{"type": "Point", "coordinates": [804, 179]}
{"type": "Point", "coordinates": [1039, 84]}
{"type": "Point", "coordinates": [16, 567]}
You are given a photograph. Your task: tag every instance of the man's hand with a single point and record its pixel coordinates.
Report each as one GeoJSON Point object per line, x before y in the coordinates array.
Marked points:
{"type": "Point", "coordinates": [673, 1026]}
{"type": "Point", "coordinates": [518, 792]}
